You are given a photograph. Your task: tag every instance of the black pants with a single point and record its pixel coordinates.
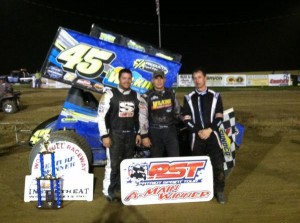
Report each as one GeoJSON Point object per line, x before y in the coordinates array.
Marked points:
{"type": "Point", "coordinates": [123, 145]}
{"type": "Point", "coordinates": [212, 148]}
{"type": "Point", "coordinates": [164, 140]}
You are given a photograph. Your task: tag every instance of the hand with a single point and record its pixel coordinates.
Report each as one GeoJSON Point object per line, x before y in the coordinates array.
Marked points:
{"type": "Point", "coordinates": [107, 142]}
{"type": "Point", "coordinates": [146, 142]}
{"type": "Point", "coordinates": [204, 133]}
{"type": "Point", "coordinates": [138, 139]}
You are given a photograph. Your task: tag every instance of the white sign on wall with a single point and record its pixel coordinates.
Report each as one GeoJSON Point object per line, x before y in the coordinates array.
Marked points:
{"type": "Point", "coordinates": [215, 80]}
{"type": "Point", "coordinates": [258, 80]}
{"type": "Point", "coordinates": [279, 79]}
{"type": "Point", "coordinates": [235, 80]}
{"type": "Point", "coordinates": [185, 80]}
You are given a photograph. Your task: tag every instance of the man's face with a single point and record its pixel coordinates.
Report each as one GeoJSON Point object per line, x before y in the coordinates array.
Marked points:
{"type": "Point", "coordinates": [159, 83]}
{"type": "Point", "coordinates": [125, 80]}
{"type": "Point", "coordinates": [199, 80]}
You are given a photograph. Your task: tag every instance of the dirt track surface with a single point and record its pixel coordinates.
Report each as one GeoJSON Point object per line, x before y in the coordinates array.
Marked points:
{"type": "Point", "coordinates": [263, 187]}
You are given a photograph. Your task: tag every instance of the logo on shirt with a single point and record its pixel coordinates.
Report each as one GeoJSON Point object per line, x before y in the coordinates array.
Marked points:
{"type": "Point", "coordinates": [126, 109]}
{"type": "Point", "coordinates": [161, 104]}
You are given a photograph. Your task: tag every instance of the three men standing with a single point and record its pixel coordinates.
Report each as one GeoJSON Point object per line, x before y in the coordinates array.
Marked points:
{"type": "Point", "coordinates": [124, 113]}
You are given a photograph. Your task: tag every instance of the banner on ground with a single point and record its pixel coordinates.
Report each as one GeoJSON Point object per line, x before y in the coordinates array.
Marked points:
{"type": "Point", "coordinates": [90, 63]}
{"type": "Point", "coordinates": [166, 180]}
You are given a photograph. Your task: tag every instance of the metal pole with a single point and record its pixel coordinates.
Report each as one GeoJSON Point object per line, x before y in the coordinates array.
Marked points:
{"type": "Point", "coordinates": [159, 32]}
{"type": "Point", "coordinates": [158, 16]}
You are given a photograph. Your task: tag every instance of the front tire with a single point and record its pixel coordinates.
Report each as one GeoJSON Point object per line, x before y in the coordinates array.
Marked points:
{"type": "Point", "coordinates": [68, 136]}
{"type": "Point", "coordinates": [9, 106]}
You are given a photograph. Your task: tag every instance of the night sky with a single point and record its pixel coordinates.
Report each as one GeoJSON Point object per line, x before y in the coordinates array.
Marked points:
{"type": "Point", "coordinates": [223, 36]}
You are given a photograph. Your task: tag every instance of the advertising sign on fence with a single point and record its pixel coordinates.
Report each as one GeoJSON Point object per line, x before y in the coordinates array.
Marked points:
{"type": "Point", "coordinates": [235, 80]}
{"type": "Point", "coordinates": [185, 80]}
{"type": "Point", "coordinates": [258, 80]}
{"type": "Point", "coordinates": [279, 79]}
{"type": "Point", "coordinates": [215, 80]}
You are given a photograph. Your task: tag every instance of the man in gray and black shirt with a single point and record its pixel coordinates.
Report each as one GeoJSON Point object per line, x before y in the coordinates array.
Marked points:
{"type": "Point", "coordinates": [118, 121]}
{"type": "Point", "coordinates": [163, 111]}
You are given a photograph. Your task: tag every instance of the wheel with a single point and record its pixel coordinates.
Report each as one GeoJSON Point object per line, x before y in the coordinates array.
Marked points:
{"type": "Point", "coordinates": [64, 137]}
{"type": "Point", "coordinates": [9, 106]}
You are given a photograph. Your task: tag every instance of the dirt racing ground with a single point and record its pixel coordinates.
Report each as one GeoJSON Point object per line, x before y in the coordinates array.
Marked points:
{"type": "Point", "coordinates": [263, 187]}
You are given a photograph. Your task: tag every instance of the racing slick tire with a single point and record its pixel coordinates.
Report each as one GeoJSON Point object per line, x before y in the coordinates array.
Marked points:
{"type": "Point", "coordinates": [68, 136]}
{"type": "Point", "coordinates": [9, 106]}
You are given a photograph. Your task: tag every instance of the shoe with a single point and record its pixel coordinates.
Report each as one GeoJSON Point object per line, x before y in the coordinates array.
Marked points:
{"type": "Point", "coordinates": [118, 193]}
{"type": "Point", "coordinates": [221, 198]}
{"type": "Point", "coordinates": [112, 198]}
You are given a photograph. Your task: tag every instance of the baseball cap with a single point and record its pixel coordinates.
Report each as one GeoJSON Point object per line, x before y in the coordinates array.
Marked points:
{"type": "Point", "coordinates": [158, 73]}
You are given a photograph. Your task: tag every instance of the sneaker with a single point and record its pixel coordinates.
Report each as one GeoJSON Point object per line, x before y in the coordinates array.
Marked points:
{"type": "Point", "coordinates": [112, 198]}
{"type": "Point", "coordinates": [118, 193]}
{"type": "Point", "coordinates": [220, 196]}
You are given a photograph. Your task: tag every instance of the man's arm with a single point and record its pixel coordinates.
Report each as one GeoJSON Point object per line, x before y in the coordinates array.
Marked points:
{"type": "Point", "coordinates": [177, 107]}
{"type": "Point", "coordinates": [143, 116]}
{"type": "Point", "coordinates": [103, 108]}
{"type": "Point", "coordinates": [143, 120]}
{"type": "Point", "coordinates": [218, 119]}
{"type": "Point", "coordinates": [188, 116]}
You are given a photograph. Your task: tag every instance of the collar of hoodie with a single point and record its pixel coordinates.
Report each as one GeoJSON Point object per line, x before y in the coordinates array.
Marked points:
{"type": "Point", "coordinates": [124, 91]}
{"type": "Point", "coordinates": [201, 92]}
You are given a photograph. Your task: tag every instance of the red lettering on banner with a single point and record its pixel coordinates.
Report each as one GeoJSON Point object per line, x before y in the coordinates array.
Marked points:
{"type": "Point", "coordinates": [132, 195]}
{"type": "Point", "coordinates": [158, 190]}
{"type": "Point", "coordinates": [184, 195]}
{"type": "Point", "coordinates": [168, 193]}
{"type": "Point", "coordinates": [37, 164]}
{"type": "Point", "coordinates": [279, 81]}
{"type": "Point", "coordinates": [176, 170]}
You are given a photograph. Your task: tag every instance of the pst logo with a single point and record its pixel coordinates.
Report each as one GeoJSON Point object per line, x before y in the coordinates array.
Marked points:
{"type": "Point", "coordinates": [175, 170]}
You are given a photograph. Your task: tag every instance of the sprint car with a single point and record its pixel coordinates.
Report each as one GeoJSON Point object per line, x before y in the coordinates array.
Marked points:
{"type": "Point", "coordinates": [90, 64]}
